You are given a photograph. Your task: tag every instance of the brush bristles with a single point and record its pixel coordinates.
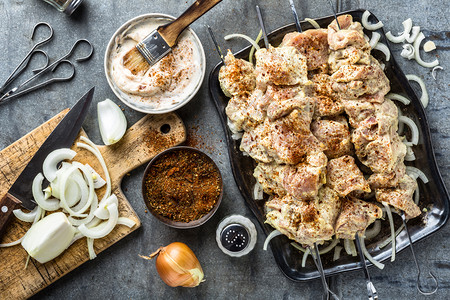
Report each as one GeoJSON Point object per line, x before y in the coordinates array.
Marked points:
{"type": "Point", "coordinates": [135, 62]}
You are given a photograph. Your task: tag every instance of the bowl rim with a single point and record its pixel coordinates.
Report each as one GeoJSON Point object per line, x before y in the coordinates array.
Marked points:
{"type": "Point", "coordinates": [110, 81]}
{"type": "Point", "coordinates": [177, 224]}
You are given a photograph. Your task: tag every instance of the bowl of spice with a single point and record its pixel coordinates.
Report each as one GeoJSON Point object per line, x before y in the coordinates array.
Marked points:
{"type": "Point", "coordinates": [182, 187]}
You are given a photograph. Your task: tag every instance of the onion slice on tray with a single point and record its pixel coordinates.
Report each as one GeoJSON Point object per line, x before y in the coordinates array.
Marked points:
{"type": "Point", "coordinates": [424, 97]}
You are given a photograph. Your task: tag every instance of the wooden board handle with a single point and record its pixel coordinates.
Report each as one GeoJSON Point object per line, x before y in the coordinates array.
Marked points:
{"type": "Point", "coordinates": [7, 205]}
{"type": "Point", "coordinates": [171, 31]}
{"type": "Point", "coordinates": [149, 136]}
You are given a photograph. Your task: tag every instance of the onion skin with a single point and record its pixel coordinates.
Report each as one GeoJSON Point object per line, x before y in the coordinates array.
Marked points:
{"type": "Point", "coordinates": [177, 265]}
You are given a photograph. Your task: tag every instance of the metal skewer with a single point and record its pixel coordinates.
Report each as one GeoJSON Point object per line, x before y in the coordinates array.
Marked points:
{"type": "Point", "coordinates": [371, 291]}
{"type": "Point", "coordinates": [417, 264]}
{"type": "Point", "coordinates": [263, 28]}
{"type": "Point", "coordinates": [213, 38]}
{"type": "Point", "coordinates": [294, 12]}
{"type": "Point", "coordinates": [334, 12]}
{"type": "Point", "coordinates": [318, 262]}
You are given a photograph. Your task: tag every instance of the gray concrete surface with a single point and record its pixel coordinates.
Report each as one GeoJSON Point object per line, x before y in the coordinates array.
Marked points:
{"type": "Point", "coordinates": [118, 273]}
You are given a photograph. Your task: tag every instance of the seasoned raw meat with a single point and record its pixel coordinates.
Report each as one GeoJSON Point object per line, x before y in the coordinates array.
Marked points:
{"type": "Point", "coordinates": [350, 34]}
{"type": "Point", "coordinates": [237, 77]}
{"type": "Point", "coordinates": [401, 196]}
{"type": "Point", "coordinates": [306, 222]}
{"type": "Point", "coordinates": [280, 66]}
{"type": "Point", "coordinates": [348, 56]}
{"type": "Point", "coordinates": [284, 99]}
{"type": "Point", "coordinates": [356, 215]}
{"type": "Point", "coordinates": [334, 134]}
{"type": "Point", "coordinates": [327, 102]}
{"type": "Point", "coordinates": [344, 176]}
{"type": "Point", "coordinates": [313, 44]}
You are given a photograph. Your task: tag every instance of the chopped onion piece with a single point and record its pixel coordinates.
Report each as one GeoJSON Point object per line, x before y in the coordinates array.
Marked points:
{"type": "Point", "coordinates": [90, 216]}
{"type": "Point", "coordinates": [305, 256]}
{"type": "Point", "coordinates": [102, 211]}
{"type": "Point", "coordinates": [391, 224]}
{"type": "Point", "coordinates": [419, 60]}
{"type": "Point", "coordinates": [313, 23]}
{"type": "Point", "coordinates": [252, 51]}
{"type": "Point", "coordinates": [102, 230]}
{"type": "Point", "coordinates": [416, 195]}
{"type": "Point", "coordinates": [383, 48]}
{"type": "Point", "coordinates": [414, 34]}
{"type": "Point", "coordinates": [330, 247]}
{"type": "Point", "coordinates": [237, 136]}
{"type": "Point", "coordinates": [374, 39]}
{"type": "Point", "coordinates": [350, 247]}
{"type": "Point", "coordinates": [270, 237]}
{"type": "Point", "coordinates": [84, 190]}
{"type": "Point", "coordinates": [408, 51]}
{"type": "Point", "coordinates": [398, 97]}
{"type": "Point", "coordinates": [16, 242]}
{"type": "Point", "coordinates": [409, 154]}
{"type": "Point", "coordinates": [238, 35]}
{"type": "Point", "coordinates": [368, 256]}
{"type": "Point", "coordinates": [429, 46]}
{"type": "Point", "coordinates": [407, 25]}
{"type": "Point", "coordinates": [111, 121]}
{"type": "Point", "coordinates": [374, 231]}
{"type": "Point", "coordinates": [50, 166]}
{"type": "Point", "coordinates": [39, 197]}
{"type": "Point", "coordinates": [424, 97]}
{"type": "Point", "coordinates": [62, 184]}
{"type": "Point", "coordinates": [90, 245]}
{"type": "Point", "coordinates": [413, 127]}
{"type": "Point", "coordinates": [98, 180]}
{"type": "Point", "coordinates": [27, 217]}
{"type": "Point", "coordinates": [126, 221]}
{"type": "Point", "coordinates": [433, 72]}
{"type": "Point", "coordinates": [337, 253]}
{"type": "Point", "coordinates": [416, 173]}
{"type": "Point", "coordinates": [298, 247]}
{"type": "Point", "coordinates": [258, 193]}
{"type": "Point", "coordinates": [367, 25]}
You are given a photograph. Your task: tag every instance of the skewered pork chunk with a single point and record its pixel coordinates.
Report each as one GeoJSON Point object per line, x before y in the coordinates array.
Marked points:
{"type": "Point", "coordinates": [280, 66]}
{"type": "Point", "coordinates": [284, 99]}
{"type": "Point", "coordinates": [350, 34]}
{"type": "Point", "coordinates": [344, 176]}
{"type": "Point", "coordinates": [334, 134]}
{"type": "Point", "coordinates": [302, 181]}
{"type": "Point", "coordinates": [387, 180]}
{"type": "Point", "coordinates": [327, 102]}
{"type": "Point", "coordinates": [237, 77]}
{"type": "Point", "coordinates": [306, 222]}
{"type": "Point", "coordinates": [286, 140]}
{"type": "Point", "coordinates": [348, 56]}
{"type": "Point", "coordinates": [401, 196]}
{"type": "Point", "coordinates": [313, 44]}
{"type": "Point", "coordinates": [356, 215]}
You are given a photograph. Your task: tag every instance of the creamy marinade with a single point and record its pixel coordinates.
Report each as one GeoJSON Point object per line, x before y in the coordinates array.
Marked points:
{"type": "Point", "coordinates": [165, 84]}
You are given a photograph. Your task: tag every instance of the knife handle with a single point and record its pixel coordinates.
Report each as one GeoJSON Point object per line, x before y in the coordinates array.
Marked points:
{"type": "Point", "coordinates": [171, 31]}
{"type": "Point", "coordinates": [7, 205]}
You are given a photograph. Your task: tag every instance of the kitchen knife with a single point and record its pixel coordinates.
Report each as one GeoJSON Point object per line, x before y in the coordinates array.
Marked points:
{"type": "Point", "coordinates": [62, 136]}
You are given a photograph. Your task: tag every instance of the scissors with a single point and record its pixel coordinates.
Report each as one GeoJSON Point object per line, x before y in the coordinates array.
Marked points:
{"type": "Point", "coordinates": [64, 60]}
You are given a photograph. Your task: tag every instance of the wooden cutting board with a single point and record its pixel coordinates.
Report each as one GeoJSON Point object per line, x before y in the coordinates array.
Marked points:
{"type": "Point", "coordinates": [149, 136]}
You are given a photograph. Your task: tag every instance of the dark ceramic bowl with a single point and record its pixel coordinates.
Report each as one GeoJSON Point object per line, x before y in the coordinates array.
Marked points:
{"type": "Point", "coordinates": [433, 195]}
{"type": "Point", "coordinates": [177, 224]}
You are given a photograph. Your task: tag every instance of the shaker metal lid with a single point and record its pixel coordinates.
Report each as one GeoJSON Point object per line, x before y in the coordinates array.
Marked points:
{"type": "Point", "coordinates": [72, 6]}
{"type": "Point", "coordinates": [236, 235]}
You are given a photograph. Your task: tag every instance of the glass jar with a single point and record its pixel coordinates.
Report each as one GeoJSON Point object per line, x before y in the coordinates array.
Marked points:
{"type": "Point", "coordinates": [65, 6]}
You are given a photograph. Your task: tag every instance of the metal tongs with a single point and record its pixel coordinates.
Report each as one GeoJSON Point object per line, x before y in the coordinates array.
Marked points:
{"type": "Point", "coordinates": [64, 60]}
{"type": "Point", "coordinates": [417, 264]}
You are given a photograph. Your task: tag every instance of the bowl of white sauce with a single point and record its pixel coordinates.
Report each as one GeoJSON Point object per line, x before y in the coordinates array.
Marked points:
{"type": "Point", "coordinates": [167, 85]}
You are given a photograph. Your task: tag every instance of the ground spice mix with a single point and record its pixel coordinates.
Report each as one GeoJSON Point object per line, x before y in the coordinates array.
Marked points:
{"type": "Point", "coordinates": [182, 185]}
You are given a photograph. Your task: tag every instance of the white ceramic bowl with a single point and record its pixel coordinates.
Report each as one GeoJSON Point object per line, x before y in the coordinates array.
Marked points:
{"type": "Point", "coordinates": [125, 97]}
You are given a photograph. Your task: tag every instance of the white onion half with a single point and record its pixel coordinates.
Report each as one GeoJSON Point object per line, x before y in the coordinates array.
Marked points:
{"type": "Point", "coordinates": [367, 25]}
{"type": "Point", "coordinates": [112, 122]}
{"type": "Point", "coordinates": [50, 166]}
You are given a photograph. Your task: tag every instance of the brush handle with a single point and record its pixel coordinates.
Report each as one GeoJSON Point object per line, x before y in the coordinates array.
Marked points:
{"type": "Point", "coordinates": [171, 31]}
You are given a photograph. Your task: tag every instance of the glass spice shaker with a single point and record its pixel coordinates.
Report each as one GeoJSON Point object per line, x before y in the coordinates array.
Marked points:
{"type": "Point", "coordinates": [236, 235]}
{"type": "Point", "coordinates": [65, 6]}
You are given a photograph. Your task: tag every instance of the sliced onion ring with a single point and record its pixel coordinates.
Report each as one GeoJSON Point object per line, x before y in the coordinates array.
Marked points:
{"type": "Point", "coordinates": [419, 60]}
{"type": "Point", "coordinates": [383, 48]}
{"type": "Point", "coordinates": [337, 253]}
{"type": "Point", "coordinates": [374, 39]}
{"type": "Point", "coordinates": [367, 25]}
{"type": "Point", "coordinates": [407, 25]}
{"type": "Point", "coordinates": [313, 23]}
{"type": "Point", "coordinates": [51, 162]}
{"type": "Point", "coordinates": [270, 237]}
{"type": "Point", "coordinates": [26, 217]}
{"type": "Point", "coordinates": [413, 127]}
{"type": "Point", "coordinates": [126, 221]}
{"type": "Point", "coordinates": [408, 51]}
{"type": "Point", "coordinates": [414, 34]}
{"type": "Point", "coordinates": [243, 36]}
{"type": "Point", "coordinates": [39, 197]}
{"type": "Point", "coordinates": [102, 230]}
{"type": "Point", "coordinates": [368, 256]}
{"type": "Point", "coordinates": [417, 172]}
{"type": "Point", "coordinates": [424, 97]}
{"type": "Point", "coordinates": [433, 72]}
{"type": "Point", "coordinates": [391, 225]}
{"type": "Point", "coordinates": [398, 97]}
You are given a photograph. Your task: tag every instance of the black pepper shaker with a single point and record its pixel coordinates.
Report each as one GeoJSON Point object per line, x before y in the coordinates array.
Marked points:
{"type": "Point", "coordinates": [65, 6]}
{"type": "Point", "coordinates": [236, 235]}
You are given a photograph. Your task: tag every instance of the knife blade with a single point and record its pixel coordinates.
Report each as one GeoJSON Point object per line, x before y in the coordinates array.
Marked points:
{"type": "Point", "coordinates": [62, 136]}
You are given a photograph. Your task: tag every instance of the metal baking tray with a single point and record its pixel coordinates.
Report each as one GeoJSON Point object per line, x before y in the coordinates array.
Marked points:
{"type": "Point", "coordinates": [433, 195]}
